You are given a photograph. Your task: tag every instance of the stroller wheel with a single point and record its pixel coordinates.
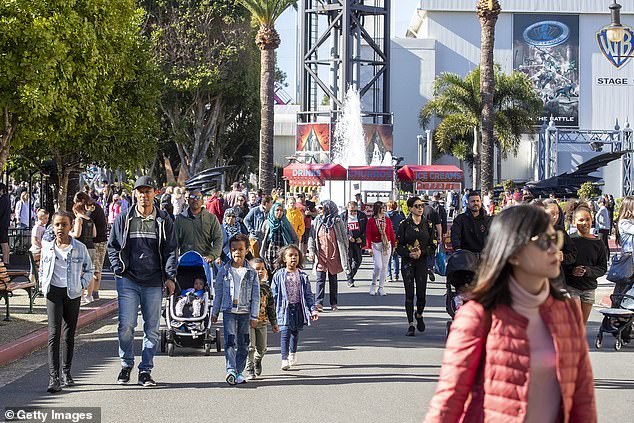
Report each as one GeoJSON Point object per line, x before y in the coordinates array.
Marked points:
{"type": "Point", "coordinates": [218, 341]}
{"type": "Point", "coordinates": [618, 344]}
{"type": "Point", "coordinates": [170, 349]}
{"type": "Point", "coordinates": [599, 341]}
{"type": "Point", "coordinates": [163, 340]}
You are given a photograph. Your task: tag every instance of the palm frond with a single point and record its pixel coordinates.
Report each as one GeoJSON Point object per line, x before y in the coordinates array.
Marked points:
{"type": "Point", "coordinates": [266, 12]}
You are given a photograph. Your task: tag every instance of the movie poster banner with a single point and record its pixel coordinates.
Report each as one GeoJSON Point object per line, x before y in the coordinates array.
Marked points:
{"type": "Point", "coordinates": [378, 142]}
{"type": "Point", "coordinates": [546, 48]}
{"type": "Point", "coordinates": [313, 142]}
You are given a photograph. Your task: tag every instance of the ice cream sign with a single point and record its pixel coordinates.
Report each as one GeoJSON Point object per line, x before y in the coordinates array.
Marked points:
{"type": "Point", "coordinates": [438, 176]}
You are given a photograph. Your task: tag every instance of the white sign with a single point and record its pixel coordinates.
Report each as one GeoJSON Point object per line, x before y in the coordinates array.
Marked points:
{"type": "Point", "coordinates": [613, 81]}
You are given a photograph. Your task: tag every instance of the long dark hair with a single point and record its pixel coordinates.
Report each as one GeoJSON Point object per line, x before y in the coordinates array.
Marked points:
{"type": "Point", "coordinates": [376, 208]}
{"type": "Point", "coordinates": [511, 230]}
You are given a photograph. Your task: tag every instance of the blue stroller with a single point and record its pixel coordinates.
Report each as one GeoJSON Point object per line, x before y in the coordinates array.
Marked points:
{"type": "Point", "coordinates": [188, 330]}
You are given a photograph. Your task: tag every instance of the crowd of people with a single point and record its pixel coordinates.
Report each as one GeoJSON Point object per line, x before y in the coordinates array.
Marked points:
{"type": "Point", "coordinates": [535, 254]}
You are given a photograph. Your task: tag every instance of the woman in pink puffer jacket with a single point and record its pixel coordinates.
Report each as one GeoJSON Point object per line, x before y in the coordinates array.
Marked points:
{"type": "Point", "coordinates": [517, 352]}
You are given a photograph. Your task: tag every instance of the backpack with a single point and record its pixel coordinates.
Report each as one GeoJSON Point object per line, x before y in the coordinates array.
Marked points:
{"type": "Point", "coordinates": [454, 201]}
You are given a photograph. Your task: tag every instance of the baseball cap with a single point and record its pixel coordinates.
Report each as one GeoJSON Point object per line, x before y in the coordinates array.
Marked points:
{"type": "Point", "coordinates": [144, 181]}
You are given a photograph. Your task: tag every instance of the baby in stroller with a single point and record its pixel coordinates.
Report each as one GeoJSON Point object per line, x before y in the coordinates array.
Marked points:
{"type": "Point", "coordinates": [194, 297]}
{"type": "Point", "coordinates": [462, 266]}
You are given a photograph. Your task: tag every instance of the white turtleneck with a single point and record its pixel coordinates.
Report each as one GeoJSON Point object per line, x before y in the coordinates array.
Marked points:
{"type": "Point", "coordinates": [544, 392]}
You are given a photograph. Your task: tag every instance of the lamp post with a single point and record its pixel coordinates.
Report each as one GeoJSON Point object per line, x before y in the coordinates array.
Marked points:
{"type": "Point", "coordinates": [396, 160]}
{"type": "Point", "coordinates": [615, 31]}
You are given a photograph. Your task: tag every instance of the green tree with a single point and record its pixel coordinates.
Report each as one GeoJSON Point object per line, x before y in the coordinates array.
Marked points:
{"type": "Point", "coordinates": [488, 11]}
{"type": "Point", "coordinates": [74, 82]}
{"type": "Point", "coordinates": [457, 104]}
{"type": "Point", "coordinates": [202, 47]}
{"type": "Point", "coordinates": [266, 12]}
{"type": "Point", "coordinates": [588, 190]}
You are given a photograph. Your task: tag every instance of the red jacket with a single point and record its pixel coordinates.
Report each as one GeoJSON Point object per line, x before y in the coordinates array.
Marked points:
{"type": "Point", "coordinates": [215, 206]}
{"type": "Point", "coordinates": [499, 395]}
{"type": "Point", "coordinates": [372, 233]}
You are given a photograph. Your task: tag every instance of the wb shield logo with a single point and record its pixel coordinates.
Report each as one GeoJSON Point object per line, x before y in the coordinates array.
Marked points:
{"type": "Point", "coordinates": [617, 53]}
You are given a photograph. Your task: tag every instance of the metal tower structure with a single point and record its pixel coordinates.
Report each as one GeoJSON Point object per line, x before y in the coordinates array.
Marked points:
{"type": "Point", "coordinates": [345, 43]}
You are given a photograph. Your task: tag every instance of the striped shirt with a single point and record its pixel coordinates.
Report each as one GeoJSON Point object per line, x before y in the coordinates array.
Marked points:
{"type": "Point", "coordinates": [145, 263]}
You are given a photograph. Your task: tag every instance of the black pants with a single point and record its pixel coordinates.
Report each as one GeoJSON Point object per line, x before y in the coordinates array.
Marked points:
{"type": "Point", "coordinates": [321, 288]}
{"type": "Point", "coordinates": [414, 277]}
{"type": "Point", "coordinates": [62, 317]}
{"type": "Point", "coordinates": [604, 234]}
{"type": "Point", "coordinates": [355, 256]}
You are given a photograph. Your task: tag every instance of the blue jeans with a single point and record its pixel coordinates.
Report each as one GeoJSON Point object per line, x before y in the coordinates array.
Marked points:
{"type": "Point", "coordinates": [236, 330]}
{"type": "Point", "coordinates": [131, 296]}
{"type": "Point", "coordinates": [288, 341]}
{"type": "Point", "coordinates": [394, 265]}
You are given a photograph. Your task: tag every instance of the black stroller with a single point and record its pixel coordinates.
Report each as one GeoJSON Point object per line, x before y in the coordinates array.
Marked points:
{"type": "Point", "coordinates": [189, 330]}
{"type": "Point", "coordinates": [461, 269]}
{"type": "Point", "coordinates": [619, 319]}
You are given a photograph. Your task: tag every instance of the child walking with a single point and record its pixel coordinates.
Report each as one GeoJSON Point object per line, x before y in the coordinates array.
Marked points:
{"type": "Point", "coordinates": [257, 349]}
{"type": "Point", "coordinates": [237, 295]}
{"type": "Point", "coordinates": [294, 301]}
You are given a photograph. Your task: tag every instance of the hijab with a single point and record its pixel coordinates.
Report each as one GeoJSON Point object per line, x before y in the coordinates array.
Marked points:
{"type": "Point", "coordinates": [331, 213]}
{"type": "Point", "coordinates": [281, 224]}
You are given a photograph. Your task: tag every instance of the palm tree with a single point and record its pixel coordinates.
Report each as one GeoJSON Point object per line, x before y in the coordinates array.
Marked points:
{"type": "Point", "coordinates": [488, 11]}
{"type": "Point", "coordinates": [266, 12]}
{"type": "Point", "coordinates": [458, 105]}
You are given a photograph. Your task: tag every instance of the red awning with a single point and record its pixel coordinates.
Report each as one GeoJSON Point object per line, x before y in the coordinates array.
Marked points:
{"type": "Point", "coordinates": [433, 173]}
{"type": "Point", "coordinates": [370, 173]}
{"type": "Point", "coordinates": [303, 174]}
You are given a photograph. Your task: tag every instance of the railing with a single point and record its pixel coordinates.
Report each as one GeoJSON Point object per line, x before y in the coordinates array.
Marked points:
{"type": "Point", "coordinates": [19, 240]}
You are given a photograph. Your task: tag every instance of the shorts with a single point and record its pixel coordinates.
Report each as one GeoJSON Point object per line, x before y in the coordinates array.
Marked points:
{"type": "Point", "coordinates": [586, 296]}
{"type": "Point", "coordinates": [100, 254]}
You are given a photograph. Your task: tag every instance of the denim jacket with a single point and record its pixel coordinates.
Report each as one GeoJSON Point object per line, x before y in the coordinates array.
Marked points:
{"type": "Point", "coordinates": [254, 221]}
{"type": "Point", "coordinates": [278, 289]}
{"type": "Point", "coordinates": [626, 231]}
{"type": "Point", "coordinates": [222, 290]}
{"type": "Point", "coordinates": [80, 269]}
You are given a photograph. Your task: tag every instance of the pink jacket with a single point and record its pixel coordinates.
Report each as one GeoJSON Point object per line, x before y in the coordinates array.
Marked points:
{"type": "Point", "coordinates": [499, 395]}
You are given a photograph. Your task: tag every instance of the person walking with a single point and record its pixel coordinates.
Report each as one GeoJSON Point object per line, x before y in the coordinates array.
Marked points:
{"type": "Point", "coordinates": [241, 208]}
{"type": "Point", "coordinates": [254, 221]}
{"type": "Point", "coordinates": [98, 216]}
{"type": "Point", "coordinates": [517, 351]}
{"type": "Point", "coordinates": [591, 261]}
{"type": "Point", "coordinates": [65, 269]}
{"type": "Point", "coordinates": [396, 216]}
{"type": "Point", "coordinates": [142, 252]}
{"type": "Point", "coordinates": [568, 253]}
{"type": "Point", "coordinates": [22, 211]}
{"type": "Point", "coordinates": [5, 222]}
{"type": "Point", "coordinates": [381, 243]}
{"type": "Point", "coordinates": [84, 231]}
{"type": "Point", "coordinates": [295, 217]}
{"type": "Point", "coordinates": [603, 224]}
{"type": "Point", "coordinates": [198, 230]}
{"type": "Point", "coordinates": [216, 204]}
{"type": "Point", "coordinates": [625, 233]}
{"type": "Point", "coordinates": [232, 197]}
{"type": "Point", "coordinates": [278, 233]}
{"type": "Point", "coordinates": [356, 221]}
{"type": "Point", "coordinates": [230, 227]}
{"type": "Point", "coordinates": [414, 239]}
{"type": "Point", "coordinates": [328, 248]}
{"type": "Point", "coordinates": [470, 229]}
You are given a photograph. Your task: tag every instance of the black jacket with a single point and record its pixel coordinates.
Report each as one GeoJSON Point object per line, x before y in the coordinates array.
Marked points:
{"type": "Point", "coordinates": [442, 214]}
{"type": "Point", "coordinates": [363, 223]}
{"type": "Point", "coordinates": [470, 233]}
{"type": "Point", "coordinates": [408, 233]}
{"type": "Point", "coordinates": [119, 250]}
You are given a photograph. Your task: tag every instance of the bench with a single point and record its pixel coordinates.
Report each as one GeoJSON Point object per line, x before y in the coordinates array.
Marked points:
{"type": "Point", "coordinates": [11, 281]}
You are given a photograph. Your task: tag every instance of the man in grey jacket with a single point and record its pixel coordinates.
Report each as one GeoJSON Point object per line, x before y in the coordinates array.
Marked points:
{"type": "Point", "coordinates": [254, 221]}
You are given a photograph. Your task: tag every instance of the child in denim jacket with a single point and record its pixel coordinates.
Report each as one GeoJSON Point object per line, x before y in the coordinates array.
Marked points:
{"type": "Point", "coordinates": [294, 302]}
{"type": "Point", "coordinates": [237, 295]}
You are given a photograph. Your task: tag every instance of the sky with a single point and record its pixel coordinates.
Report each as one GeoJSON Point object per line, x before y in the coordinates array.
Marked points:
{"type": "Point", "coordinates": [286, 25]}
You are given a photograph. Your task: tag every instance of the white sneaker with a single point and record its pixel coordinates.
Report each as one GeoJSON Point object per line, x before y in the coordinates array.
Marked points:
{"type": "Point", "coordinates": [382, 292]}
{"type": "Point", "coordinates": [285, 365]}
{"type": "Point", "coordinates": [292, 359]}
{"type": "Point", "coordinates": [240, 379]}
{"type": "Point", "coordinates": [85, 299]}
{"type": "Point", "coordinates": [372, 291]}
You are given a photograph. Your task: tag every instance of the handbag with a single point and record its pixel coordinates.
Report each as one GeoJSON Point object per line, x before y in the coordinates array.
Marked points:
{"type": "Point", "coordinates": [621, 269]}
{"type": "Point", "coordinates": [440, 264]}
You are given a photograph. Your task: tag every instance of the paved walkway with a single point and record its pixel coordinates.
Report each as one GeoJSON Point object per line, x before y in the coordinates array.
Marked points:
{"type": "Point", "coordinates": [355, 365]}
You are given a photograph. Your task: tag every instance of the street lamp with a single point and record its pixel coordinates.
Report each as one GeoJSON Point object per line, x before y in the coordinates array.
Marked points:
{"type": "Point", "coordinates": [615, 31]}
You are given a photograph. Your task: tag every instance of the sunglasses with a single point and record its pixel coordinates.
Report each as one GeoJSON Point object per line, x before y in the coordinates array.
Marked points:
{"type": "Point", "coordinates": [545, 241]}
{"type": "Point", "coordinates": [418, 206]}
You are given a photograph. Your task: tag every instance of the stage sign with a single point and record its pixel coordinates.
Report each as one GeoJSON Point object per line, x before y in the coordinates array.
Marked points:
{"type": "Point", "coordinates": [546, 48]}
{"type": "Point", "coordinates": [437, 186]}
